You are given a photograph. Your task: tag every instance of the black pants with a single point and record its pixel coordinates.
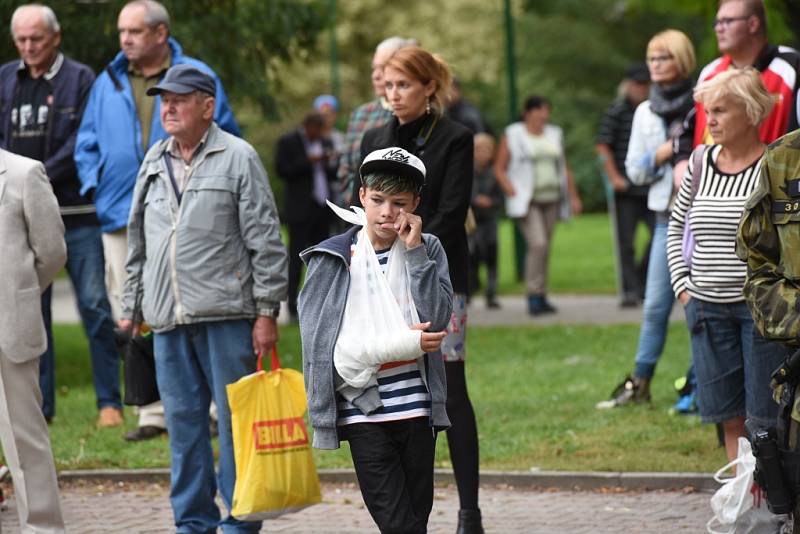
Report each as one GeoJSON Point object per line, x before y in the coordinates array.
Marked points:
{"type": "Point", "coordinates": [303, 234]}
{"type": "Point", "coordinates": [483, 249]}
{"type": "Point", "coordinates": [394, 466]}
{"type": "Point", "coordinates": [629, 211]}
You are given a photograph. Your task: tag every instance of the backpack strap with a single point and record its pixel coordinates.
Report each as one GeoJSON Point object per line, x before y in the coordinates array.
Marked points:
{"type": "Point", "coordinates": [697, 168]}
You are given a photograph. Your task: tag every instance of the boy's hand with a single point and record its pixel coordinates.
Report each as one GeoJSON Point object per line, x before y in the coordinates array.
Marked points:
{"type": "Point", "coordinates": [409, 227]}
{"type": "Point", "coordinates": [429, 341]}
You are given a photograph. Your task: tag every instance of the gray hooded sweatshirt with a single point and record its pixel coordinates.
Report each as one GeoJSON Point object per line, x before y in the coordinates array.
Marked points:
{"type": "Point", "coordinates": [321, 309]}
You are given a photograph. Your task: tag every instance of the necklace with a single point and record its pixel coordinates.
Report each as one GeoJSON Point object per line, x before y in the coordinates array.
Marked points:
{"type": "Point", "coordinates": [422, 139]}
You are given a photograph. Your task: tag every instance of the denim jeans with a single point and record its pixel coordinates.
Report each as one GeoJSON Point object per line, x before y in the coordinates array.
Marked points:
{"type": "Point", "coordinates": [86, 269]}
{"type": "Point", "coordinates": [194, 363]}
{"type": "Point", "coordinates": [734, 363]}
{"type": "Point", "coordinates": [658, 300]}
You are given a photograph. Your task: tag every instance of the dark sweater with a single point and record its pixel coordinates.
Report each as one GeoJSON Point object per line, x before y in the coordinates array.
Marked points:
{"type": "Point", "coordinates": [448, 160]}
{"type": "Point", "coordinates": [71, 83]}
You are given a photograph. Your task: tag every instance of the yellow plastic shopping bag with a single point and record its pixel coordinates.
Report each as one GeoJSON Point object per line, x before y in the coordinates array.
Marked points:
{"type": "Point", "coordinates": [275, 471]}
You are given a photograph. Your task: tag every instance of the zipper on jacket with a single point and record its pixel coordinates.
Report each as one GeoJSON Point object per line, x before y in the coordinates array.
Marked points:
{"type": "Point", "coordinates": [333, 367]}
{"type": "Point", "coordinates": [173, 254]}
{"type": "Point", "coordinates": [333, 346]}
{"type": "Point", "coordinates": [9, 126]}
{"type": "Point", "coordinates": [173, 241]}
{"type": "Point", "coordinates": [48, 127]}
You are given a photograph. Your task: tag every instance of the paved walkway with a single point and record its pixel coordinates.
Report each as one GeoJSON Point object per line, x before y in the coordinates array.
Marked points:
{"type": "Point", "coordinates": [144, 508]}
{"type": "Point", "coordinates": [572, 309]}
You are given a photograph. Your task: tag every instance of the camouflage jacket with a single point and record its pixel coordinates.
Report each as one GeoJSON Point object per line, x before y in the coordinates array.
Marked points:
{"type": "Point", "coordinates": [769, 241]}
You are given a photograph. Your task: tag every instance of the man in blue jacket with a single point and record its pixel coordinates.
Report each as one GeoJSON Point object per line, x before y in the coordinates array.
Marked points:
{"type": "Point", "coordinates": [118, 127]}
{"type": "Point", "coordinates": [42, 96]}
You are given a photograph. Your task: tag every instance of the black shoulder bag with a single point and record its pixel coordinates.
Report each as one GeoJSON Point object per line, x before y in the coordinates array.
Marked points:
{"type": "Point", "coordinates": [139, 362]}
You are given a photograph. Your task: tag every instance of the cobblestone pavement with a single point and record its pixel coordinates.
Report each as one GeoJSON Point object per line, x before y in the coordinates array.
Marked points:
{"type": "Point", "coordinates": [144, 508]}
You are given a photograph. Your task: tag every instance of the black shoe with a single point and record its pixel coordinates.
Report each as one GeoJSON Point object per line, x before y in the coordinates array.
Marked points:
{"type": "Point", "coordinates": [492, 304]}
{"type": "Point", "coordinates": [629, 300]}
{"type": "Point", "coordinates": [538, 305]}
{"type": "Point", "coordinates": [143, 433]}
{"type": "Point", "coordinates": [548, 308]}
{"type": "Point", "coordinates": [469, 522]}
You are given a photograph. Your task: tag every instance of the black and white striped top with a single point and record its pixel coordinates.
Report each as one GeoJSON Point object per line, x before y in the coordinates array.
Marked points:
{"type": "Point", "coordinates": [716, 274]}
{"type": "Point", "coordinates": [400, 385]}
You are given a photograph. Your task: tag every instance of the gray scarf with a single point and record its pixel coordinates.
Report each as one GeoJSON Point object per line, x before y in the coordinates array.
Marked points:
{"type": "Point", "coordinates": [671, 101]}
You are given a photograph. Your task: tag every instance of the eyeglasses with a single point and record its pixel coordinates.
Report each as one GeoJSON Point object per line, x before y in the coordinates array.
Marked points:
{"type": "Point", "coordinates": [727, 21]}
{"type": "Point", "coordinates": [659, 59]}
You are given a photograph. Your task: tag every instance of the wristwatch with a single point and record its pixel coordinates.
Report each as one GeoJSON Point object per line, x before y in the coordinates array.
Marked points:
{"type": "Point", "coordinates": [269, 311]}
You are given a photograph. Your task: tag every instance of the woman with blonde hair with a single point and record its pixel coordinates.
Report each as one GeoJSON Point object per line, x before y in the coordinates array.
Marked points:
{"type": "Point", "coordinates": [732, 360]}
{"type": "Point", "coordinates": [656, 123]}
{"type": "Point", "coordinates": [418, 87]}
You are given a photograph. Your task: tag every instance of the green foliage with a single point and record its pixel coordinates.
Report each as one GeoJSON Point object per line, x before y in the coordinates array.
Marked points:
{"type": "Point", "coordinates": [245, 41]}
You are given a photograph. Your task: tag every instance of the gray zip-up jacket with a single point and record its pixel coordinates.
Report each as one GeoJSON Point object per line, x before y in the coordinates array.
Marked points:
{"type": "Point", "coordinates": [216, 255]}
{"type": "Point", "coordinates": [321, 309]}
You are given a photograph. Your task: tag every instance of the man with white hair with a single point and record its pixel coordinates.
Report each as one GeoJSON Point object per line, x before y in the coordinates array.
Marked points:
{"type": "Point", "coordinates": [373, 114]}
{"type": "Point", "coordinates": [43, 95]}
{"type": "Point", "coordinates": [120, 124]}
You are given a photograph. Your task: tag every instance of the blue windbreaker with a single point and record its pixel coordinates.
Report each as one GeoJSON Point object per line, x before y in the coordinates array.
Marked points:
{"type": "Point", "coordinates": [109, 151]}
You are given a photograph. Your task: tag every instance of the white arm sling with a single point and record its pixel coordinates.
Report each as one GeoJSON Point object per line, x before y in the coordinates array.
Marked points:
{"type": "Point", "coordinates": [379, 310]}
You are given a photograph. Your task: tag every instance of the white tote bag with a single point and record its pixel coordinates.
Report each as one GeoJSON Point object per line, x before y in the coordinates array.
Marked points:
{"type": "Point", "coordinates": [379, 310]}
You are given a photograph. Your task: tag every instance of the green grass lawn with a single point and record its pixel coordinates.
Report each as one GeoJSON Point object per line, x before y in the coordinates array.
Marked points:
{"type": "Point", "coordinates": [533, 388]}
{"type": "Point", "coordinates": [581, 259]}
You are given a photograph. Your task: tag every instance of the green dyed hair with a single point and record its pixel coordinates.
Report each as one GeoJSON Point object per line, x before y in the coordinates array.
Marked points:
{"type": "Point", "coordinates": [390, 184]}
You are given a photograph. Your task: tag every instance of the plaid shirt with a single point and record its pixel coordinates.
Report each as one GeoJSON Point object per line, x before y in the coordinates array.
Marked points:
{"type": "Point", "coordinates": [365, 117]}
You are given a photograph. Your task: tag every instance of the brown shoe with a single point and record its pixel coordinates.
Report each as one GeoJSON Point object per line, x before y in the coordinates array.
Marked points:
{"type": "Point", "coordinates": [109, 417]}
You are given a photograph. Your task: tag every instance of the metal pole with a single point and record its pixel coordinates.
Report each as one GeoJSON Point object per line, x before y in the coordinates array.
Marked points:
{"type": "Point", "coordinates": [334, 51]}
{"type": "Point", "coordinates": [511, 67]}
{"type": "Point", "coordinates": [513, 111]}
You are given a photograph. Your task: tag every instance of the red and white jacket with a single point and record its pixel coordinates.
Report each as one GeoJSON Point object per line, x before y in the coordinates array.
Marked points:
{"type": "Point", "coordinates": [780, 67]}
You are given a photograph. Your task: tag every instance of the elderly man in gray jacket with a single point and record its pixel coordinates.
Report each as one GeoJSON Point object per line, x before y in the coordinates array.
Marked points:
{"type": "Point", "coordinates": [206, 261]}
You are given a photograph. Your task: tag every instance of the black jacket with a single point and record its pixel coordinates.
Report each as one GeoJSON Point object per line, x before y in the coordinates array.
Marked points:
{"type": "Point", "coordinates": [71, 85]}
{"type": "Point", "coordinates": [292, 166]}
{"type": "Point", "coordinates": [447, 155]}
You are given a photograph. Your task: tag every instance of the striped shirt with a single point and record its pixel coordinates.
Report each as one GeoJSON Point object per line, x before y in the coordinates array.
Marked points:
{"type": "Point", "coordinates": [716, 274]}
{"type": "Point", "coordinates": [400, 386]}
{"type": "Point", "coordinates": [615, 131]}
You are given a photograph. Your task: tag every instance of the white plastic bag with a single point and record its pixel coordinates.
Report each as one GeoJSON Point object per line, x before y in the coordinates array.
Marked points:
{"type": "Point", "coordinates": [379, 310]}
{"type": "Point", "coordinates": [739, 505]}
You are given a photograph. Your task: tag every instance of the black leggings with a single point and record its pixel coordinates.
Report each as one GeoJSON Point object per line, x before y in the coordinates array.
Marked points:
{"type": "Point", "coordinates": [462, 436]}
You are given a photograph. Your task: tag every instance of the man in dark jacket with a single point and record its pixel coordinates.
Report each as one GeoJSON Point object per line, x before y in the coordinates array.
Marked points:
{"type": "Point", "coordinates": [628, 203]}
{"type": "Point", "coordinates": [42, 98]}
{"type": "Point", "coordinates": [303, 160]}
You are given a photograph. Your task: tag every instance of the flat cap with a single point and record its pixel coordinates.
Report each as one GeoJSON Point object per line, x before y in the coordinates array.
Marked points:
{"type": "Point", "coordinates": [184, 79]}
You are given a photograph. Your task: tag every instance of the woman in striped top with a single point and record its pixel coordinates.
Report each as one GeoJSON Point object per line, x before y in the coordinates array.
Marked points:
{"type": "Point", "coordinates": [733, 362]}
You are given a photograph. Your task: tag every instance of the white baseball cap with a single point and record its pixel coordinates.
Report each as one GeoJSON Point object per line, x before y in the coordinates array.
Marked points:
{"type": "Point", "coordinates": [394, 160]}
